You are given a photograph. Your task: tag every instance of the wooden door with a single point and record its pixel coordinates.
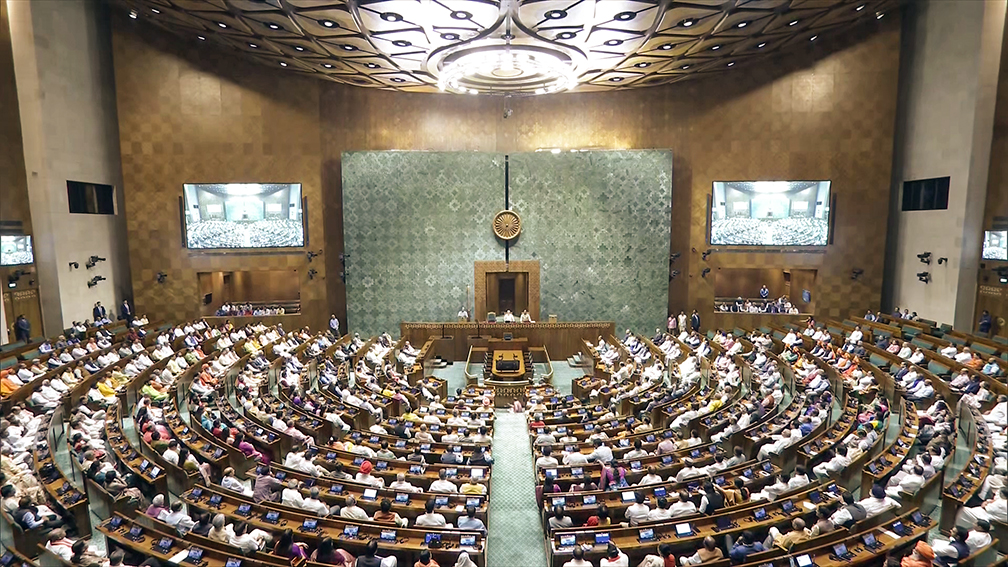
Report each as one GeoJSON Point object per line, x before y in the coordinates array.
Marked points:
{"type": "Point", "coordinates": [992, 296]}
{"type": "Point", "coordinates": [505, 293]}
{"type": "Point", "coordinates": [23, 302]}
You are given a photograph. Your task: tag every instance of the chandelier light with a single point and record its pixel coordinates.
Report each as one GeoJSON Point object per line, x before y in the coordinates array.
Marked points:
{"type": "Point", "coordinates": [507, 69]}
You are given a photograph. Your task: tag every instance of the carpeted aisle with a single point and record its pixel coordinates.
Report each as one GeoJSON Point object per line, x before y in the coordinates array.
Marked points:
{"type": "Point", "coordinates": [516, 535]}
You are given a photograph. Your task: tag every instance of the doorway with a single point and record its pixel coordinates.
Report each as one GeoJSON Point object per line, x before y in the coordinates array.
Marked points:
{"type": "Point", "coordinates": [487, 277]}
{"type": "Point", "coordinates": [507, 291]}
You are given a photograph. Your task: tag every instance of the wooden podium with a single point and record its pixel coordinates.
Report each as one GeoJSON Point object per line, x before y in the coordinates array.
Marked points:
{"type": "Point", "coordinates": [502, 360]}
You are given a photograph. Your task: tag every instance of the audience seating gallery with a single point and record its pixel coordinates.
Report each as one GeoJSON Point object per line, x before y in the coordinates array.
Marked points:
{"type": "Point", "coordinates": [828, 443]}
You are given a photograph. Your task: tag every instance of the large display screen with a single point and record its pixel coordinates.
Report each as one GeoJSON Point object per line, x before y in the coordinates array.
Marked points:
{"type": "Point", "coordinates": [995, 245]}
{"type": "Point", "coordinates": [243, 215]}
{"type": "Point", "coordinates": [770, 213]}
{"type": "Point", "coordinates": [16, 250]}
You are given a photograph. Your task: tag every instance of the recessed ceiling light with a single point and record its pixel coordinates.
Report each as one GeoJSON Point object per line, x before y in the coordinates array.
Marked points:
{"type": "Point", "coordinates": [613, 42]}
{"type": "Point", "coordinates": [879, 15]}
{"type": "Point", "coordinates": [348, 47]}
{"type": "Point", "coordinates": [133, 14]}
{"type": "Point", "coordinates": [667, 46]}
{"type": "Point", "coordinates": [684, 67]}
{"type": "Point", "coordinates": [626, 16]}
{"type": "Point", "coordinates": [859, 8]}
{"type": "Point", "coordinates": [327, 65]}
{"type": "Point", "coordinates": [328, 23]}
{"type": "Point", "coordinates": [222, 25]}
{"type": "Point", "coordinates": [556, 15]}
{"type": "Point", "coordinates": [687, 22]}
{"type": "Point", "coordinates": [391, 17]}
{"type": "Point", "coordinates": [566, 35]}
{"type": "Point", "coordinates": [460, 15]}
{"type": "Point", "coordinates": [155, 10]}
{"type": "Point", "coordinates": [642, 64]}
{"type": "Point", "coordinates": [282, 64]}
{"type": "Point", "coordinates": [299, 48]}
{"type": "Point", "coordinates": [793, 23]}
{"type": "Point", "coordinates": [273, 26]}
{"type": "Point", "coordinates": [401, 43]}
{"type": "Point", "coordinates": [742, 24]}
{"type": "Point", "coordinates": [615, 79]}
{"type": "Point", "coordinates": [813, 38]}
{"type": "Point", "coordinates": [253, 46]}
{"type": "Point", "coordinates": [371, 65]}
{"type": "Point", "coordinates": [715, 47]}
{"type": "Point", "coordinates": [731, 64]}
{"type": "Point", "coordinates": [450, 36]}
{"type": "Point", "coordinates": [398, 80]}
{"type": "Point", "coordinates": [201, 38]}
{"type": "Point", "coordinates": [761, 46]}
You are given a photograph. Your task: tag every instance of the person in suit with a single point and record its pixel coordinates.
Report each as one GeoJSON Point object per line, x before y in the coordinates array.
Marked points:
{"type": "Point", "coordinates": [22, 329]}
{"type": "Point", "coordinates": [985, 324]}
{"type": "Point", "coordinates": [695, 321]}
{"type": "Point", "coordinates": [126, 312]}
{"type": "Point", "coordinates": [98, 313]}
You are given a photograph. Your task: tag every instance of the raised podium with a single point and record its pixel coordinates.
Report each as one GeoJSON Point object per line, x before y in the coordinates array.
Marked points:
{"type": "Point", "coordinates": [508, 365]}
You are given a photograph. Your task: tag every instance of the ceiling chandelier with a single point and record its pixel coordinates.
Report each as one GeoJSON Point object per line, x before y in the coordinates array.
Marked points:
{"type": "Point", "coordinates": [503, 67]}
{"type": "Point", "coordinates": [508, 47]}
{"type": "Point", "coordinates": [507, 70]}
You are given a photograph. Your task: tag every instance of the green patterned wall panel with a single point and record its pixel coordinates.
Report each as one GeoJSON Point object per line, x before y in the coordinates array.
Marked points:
{"type": "Point", "coordinates": [413, 224]}
{"type": "Point", "coordinates": [599, 223]}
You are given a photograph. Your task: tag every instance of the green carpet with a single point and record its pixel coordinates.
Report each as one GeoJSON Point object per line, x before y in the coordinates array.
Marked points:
{"type": "Point", "coordinates": [516, 535]}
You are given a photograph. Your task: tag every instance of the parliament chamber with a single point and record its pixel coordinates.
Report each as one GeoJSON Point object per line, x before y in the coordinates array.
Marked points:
{"type": "Point", "coordinates": [522, 283]}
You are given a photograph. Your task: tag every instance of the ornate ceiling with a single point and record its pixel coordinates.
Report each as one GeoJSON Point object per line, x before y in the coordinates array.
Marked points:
{"type": "Point", "coordinates": [409, 44]}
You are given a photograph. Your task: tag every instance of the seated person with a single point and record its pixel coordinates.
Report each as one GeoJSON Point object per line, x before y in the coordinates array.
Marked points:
{"type": "Point", "coordinates": [785, 541]}
{"type": "Point", "coordinates": [745, 545]}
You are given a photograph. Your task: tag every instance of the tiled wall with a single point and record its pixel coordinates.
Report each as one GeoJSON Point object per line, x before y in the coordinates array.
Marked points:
{"type": "Point", "coordinates": [13, 183]}
{"type": "Point", "coordinates": [598, 223]}
{"type": "Point", "coordinates": [192, 115]}
{"type": "Point", "coordinates": [827, 113]}
{"type": "Point", "coordinates": [997, 181]}
{"type": "Point", "coordinates": [415, 223]}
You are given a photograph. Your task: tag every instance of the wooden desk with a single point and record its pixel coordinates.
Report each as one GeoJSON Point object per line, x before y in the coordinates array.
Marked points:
{"type": "Point", "coordinates": [214, 556]}
{"type": "Point", "coordinates": [18, 559]}
{"type": "Point", "coordinates": [562, 340]}
{"type": "Point", "coordinates": [507, 356]}
{"type": "Point", "coordinates": [515, 343]}
{"type": "Point", "coordinates": [407, 544]}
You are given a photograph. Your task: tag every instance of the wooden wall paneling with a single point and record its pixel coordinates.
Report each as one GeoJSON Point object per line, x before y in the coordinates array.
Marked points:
{"type": "Point", "coordinates": [194, 114]}
{"type": "Point", "coordinates": [13, 177]}
{"type": "Point", "coordinates": [191, 114]}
